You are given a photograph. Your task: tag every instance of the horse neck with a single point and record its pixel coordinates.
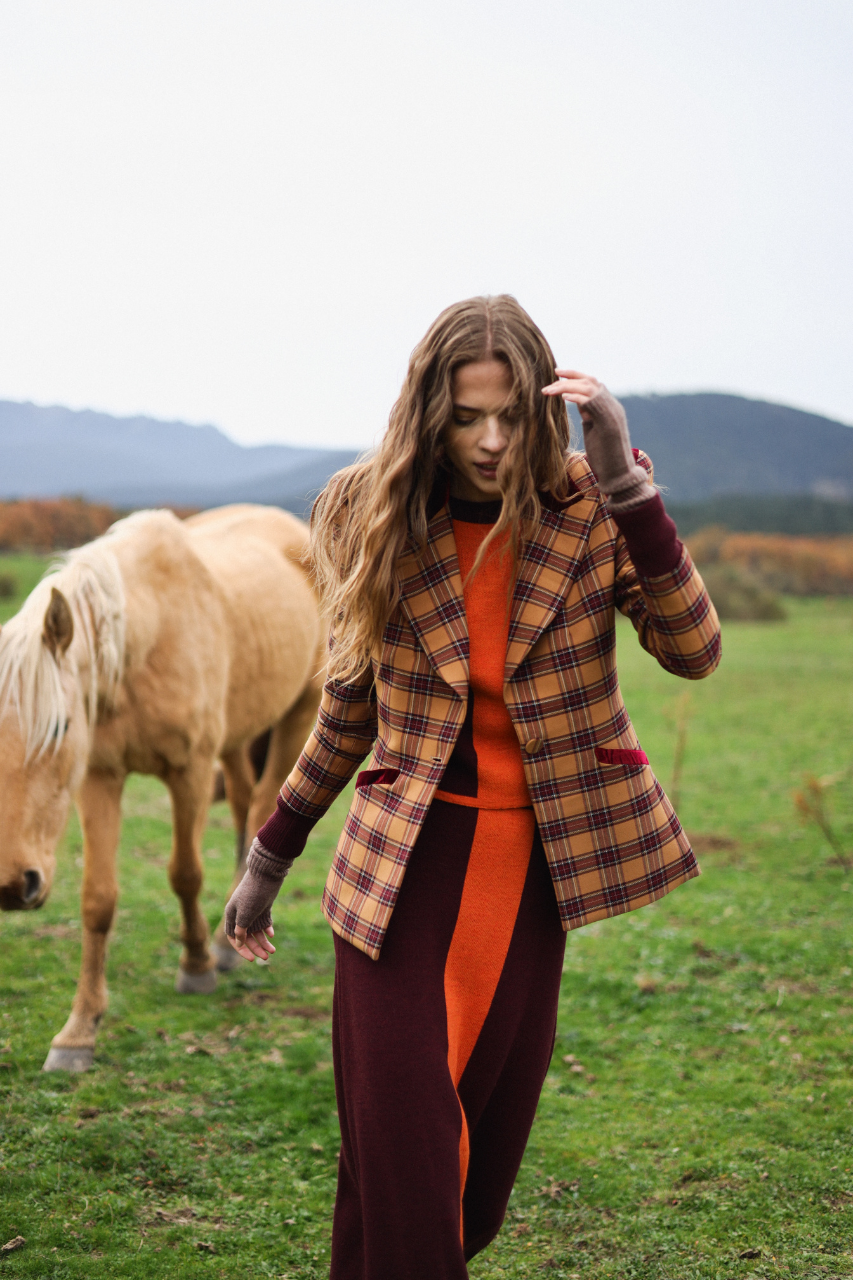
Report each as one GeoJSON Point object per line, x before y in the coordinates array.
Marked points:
{"type": "Point", "coordinates": [98, 607]}
{"type": "Point", "coordinates": [36, 681]}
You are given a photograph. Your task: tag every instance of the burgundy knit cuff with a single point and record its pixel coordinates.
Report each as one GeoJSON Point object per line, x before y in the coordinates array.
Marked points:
{"type": "Point", "coordinates": [651, 537]}
{"type": "Point", "coordinates": [286, 832]}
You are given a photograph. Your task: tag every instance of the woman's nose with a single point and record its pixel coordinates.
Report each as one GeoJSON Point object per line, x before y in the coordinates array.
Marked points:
{"type": "Point", "coordinates": [494, 437]}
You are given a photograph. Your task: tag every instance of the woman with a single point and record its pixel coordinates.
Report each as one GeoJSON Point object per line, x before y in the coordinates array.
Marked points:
{"type": "Point", "coordinates": [471, 568]}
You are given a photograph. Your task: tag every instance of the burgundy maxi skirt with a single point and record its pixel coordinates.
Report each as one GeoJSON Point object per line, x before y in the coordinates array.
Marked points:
{"type": "Point", "coordinates": [441, 1048]}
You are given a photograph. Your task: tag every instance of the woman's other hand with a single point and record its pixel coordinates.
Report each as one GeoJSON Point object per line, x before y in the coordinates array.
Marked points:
{"type": "Point", "coordinates": [248, 922]}
{"type": "Point", "coordinates": [252, 946]}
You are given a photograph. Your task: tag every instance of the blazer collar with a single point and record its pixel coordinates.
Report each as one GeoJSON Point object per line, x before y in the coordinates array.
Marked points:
{"type": "Point", "coordinates": [431, 598]}
{"type": "Point", "coordinates": [431, 584]}
{"type": "Point", "coordinates": [550, 561]}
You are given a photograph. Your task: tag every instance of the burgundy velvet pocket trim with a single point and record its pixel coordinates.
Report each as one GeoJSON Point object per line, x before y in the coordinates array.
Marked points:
{"type": "Point", "coordinates": [620, 755]}
{"type": "Point", "coordinates": [368, 776]}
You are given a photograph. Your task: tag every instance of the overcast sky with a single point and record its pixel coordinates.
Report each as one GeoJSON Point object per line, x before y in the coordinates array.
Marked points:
{"type": "Point", "coordinates": [247, 212]}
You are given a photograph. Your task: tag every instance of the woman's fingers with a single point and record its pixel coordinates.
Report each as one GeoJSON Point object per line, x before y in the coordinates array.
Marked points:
{"type": "Point", "coordinates": [573, 386]}
{"type": "Point", "coordinates": [253, 946]}
{"type": "Point", "coordinates": [577, 395]}
{"type": "Point", "coordinates": [250, 950]}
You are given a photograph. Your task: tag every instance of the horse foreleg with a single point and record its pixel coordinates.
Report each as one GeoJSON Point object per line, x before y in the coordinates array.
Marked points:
{"type": "Point", "coordinates": [99, 807]}
{"type": "Point", "coordinates": [239, 775]}
{"type": "Point", "coordinates": [239, 779]}
{"type": "Point", "coordinates": [287, 739]}
{"type": "Point", "coordinates": [190, 798]}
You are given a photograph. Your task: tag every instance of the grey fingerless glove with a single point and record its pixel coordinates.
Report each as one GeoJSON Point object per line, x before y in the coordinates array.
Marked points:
{"type": "Point", "coordinates": [624, 483]}
{"type": "Point", "coordinates": [250, 903]}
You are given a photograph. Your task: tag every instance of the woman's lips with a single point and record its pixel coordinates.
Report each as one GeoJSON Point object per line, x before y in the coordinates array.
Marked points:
{"type": "Point", "coordinates": [488, 470]}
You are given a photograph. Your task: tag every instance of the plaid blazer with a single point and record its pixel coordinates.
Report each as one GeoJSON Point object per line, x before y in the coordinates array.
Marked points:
{"type": "Point", "coordinates": [611, 837]}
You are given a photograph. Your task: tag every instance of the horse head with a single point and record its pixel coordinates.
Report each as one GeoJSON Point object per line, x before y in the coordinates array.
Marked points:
{"type": "Point", "coordinates": [49, 682]}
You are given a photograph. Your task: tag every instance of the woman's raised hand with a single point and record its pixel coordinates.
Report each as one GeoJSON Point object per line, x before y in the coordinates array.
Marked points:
{"type": "Point", "coordinates": [575, 388]}
{"type": "Point", "coordinates": [605, 435]}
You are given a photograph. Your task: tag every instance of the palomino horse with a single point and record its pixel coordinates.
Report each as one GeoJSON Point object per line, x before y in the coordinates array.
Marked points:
{"type": "Point", "coordinates": [158, 648]}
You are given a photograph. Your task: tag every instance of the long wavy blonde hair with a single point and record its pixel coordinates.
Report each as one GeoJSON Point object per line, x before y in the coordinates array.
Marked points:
{"type": "Point", "coordinates": [370, 513]}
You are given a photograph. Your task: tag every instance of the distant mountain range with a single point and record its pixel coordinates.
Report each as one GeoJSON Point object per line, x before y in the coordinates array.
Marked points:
{"type": "Point", "coordinates": [711, 444]}
{"type": "Point", "coordinates": [703, 446]}
{"type": "Point", "coordinates": [142, 462]}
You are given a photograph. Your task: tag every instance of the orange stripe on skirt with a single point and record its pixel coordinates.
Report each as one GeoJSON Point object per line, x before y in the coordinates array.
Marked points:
{"type": "Point", "coordinates": [494, 882]}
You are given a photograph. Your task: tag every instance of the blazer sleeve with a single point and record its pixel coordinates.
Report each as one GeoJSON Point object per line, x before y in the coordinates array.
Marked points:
{"type": "Point", "coordinates": [659, 588]}
{"type": "Point", "coordinates": [343, 735]}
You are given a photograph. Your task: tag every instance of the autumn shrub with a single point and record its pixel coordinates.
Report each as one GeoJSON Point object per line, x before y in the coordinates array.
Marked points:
{"type": "Point", "coordinates": [705, 546]}
{"type": "Point", "coordinates": [814, 804]}
{"type": "Point", "coordinates": [37, 524]}
{"type": "Point", "coordinates": [738, 594]}
{"type": "Point", "coordinates": [739, 597]}
{"type": "Point", "coordinates": [797, 566]}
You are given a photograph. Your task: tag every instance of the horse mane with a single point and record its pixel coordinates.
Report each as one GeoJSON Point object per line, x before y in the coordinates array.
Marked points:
{"type": "Point", "coordinates": [30, 681]}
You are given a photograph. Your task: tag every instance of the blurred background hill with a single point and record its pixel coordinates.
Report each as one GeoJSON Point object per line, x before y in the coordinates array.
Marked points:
{"type": "Point", "coordinates": [707, 445]}
{"type": "Point", "coordinates": [722, 459]}
{"type": "Point", "coordinates": [142, 462]}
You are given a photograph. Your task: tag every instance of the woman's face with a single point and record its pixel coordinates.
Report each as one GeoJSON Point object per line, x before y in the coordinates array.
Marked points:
{"type": "Point", "coordinates": [479, 433]}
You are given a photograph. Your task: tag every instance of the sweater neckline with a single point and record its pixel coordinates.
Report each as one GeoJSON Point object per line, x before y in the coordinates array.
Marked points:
{"type": "Point", "coordinates": [475, 512]}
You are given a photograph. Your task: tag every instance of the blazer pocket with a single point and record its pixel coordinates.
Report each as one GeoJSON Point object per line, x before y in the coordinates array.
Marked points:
{"type": "Point", "coordinates": [620, 755]}
{"type": "Point", "coordinates": [368, 776]}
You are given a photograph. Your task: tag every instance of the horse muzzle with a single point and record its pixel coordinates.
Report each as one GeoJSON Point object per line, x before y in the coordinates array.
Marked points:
{"type": "Point", "coordinates": [25, 893]}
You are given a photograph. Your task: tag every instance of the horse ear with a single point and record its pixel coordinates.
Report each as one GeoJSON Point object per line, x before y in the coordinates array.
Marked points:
{"type": "Point", "coordinates": [58, 624]}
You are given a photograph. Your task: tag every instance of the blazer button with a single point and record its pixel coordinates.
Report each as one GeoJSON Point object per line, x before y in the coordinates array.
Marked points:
{"type": "Point", "coordinates": [533, 746]}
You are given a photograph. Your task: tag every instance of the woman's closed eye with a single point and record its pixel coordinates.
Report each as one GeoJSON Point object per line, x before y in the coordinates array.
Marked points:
{"type": "Point", "coordinates": [470, 418]}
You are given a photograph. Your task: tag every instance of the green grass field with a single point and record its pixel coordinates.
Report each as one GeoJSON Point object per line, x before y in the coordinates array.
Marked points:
{"type": "Point", "coordinates": [22, 570]}
{"type": "Point", "coordinates": [698, 1115]}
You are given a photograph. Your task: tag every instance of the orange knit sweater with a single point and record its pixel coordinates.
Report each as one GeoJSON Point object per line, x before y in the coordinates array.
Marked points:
{"type": "Point", "coordinates": [485, 770]}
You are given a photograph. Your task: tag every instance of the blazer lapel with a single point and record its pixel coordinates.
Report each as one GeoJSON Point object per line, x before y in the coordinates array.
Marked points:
{"type": "Point", "coordinates": [431, 598]}
{"type": "Point", "coordinates": [550, 561]}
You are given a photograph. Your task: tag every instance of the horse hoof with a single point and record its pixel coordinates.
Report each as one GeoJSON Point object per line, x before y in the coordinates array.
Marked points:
{"type": "Point", "coordinates": [195, 984]}
{"type": "Point", "coordinates": [69, 1060]}
{"type": "Point", "coordinates": [226, 957]}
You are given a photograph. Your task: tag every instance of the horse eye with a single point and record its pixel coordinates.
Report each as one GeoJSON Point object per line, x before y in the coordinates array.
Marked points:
{"type": "Point", "coordinates": [61, 734]}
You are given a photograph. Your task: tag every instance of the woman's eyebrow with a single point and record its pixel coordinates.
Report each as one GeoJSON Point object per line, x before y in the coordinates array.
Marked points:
{"type": "Point", "coordinates": [470, 408]}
